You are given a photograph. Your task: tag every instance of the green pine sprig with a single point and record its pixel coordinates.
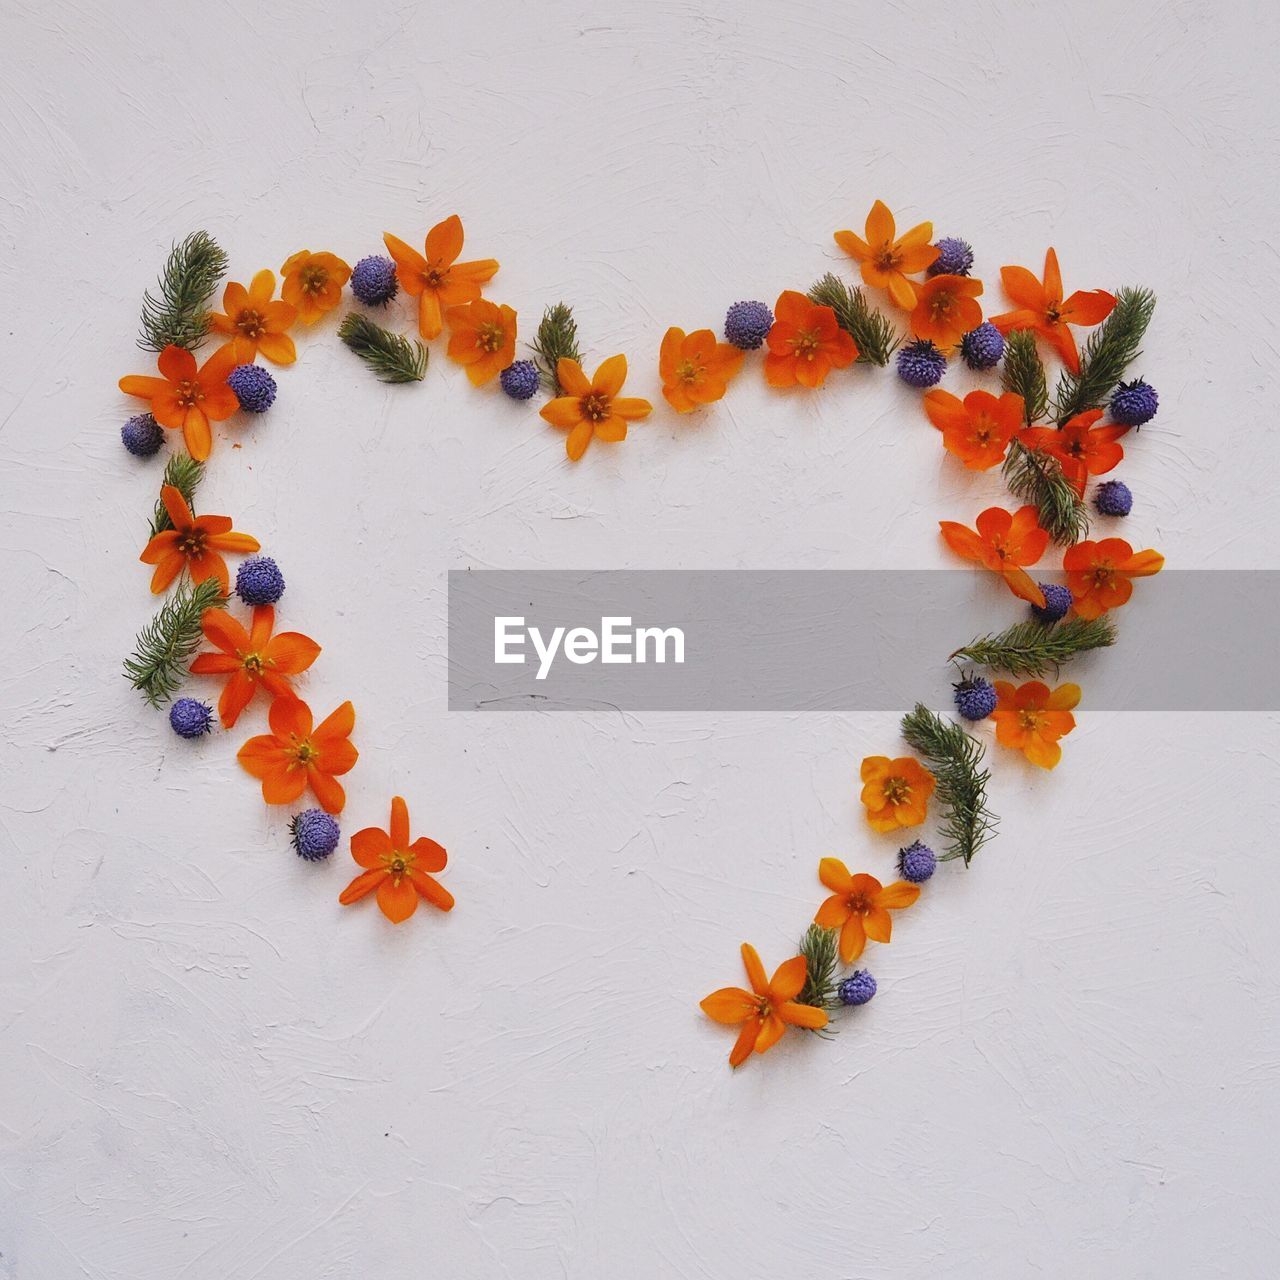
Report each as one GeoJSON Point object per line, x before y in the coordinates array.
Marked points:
{"type": "Point", "coordinates": [955, 760]}
{"type": "Point", "coordinates": [158, 663]}
{"type": "Point", "coordinates": [1031, 648]}
{"type": "Point", "coordinates": [184, 473]}
{"type": "Point", "coordinates": [821, 950]}
{"type": "Point", "coordinates": [1106, 355]}
{"type": "Point", "coordinates": [1024, 374]}
{"type": "Point", "coordinates": [390, 355]}
{"type": "Point", "coordinates": [1037, 478]}
{"type": "Point", "coordinates": [556, 340]}
{"type": "Point", "coordinates": [178, 312]}
{"type": "Point", "coordinates": [873, 334]}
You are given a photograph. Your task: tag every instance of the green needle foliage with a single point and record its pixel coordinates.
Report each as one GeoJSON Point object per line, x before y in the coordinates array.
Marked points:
{"type": "Point", "coordinates": [178, 312]}
{"type": "Point", "coordinates": [556, 340]}
{"type": "Point", "coordinates": [868, 328]}
{"type": "Point", "coordinates": [184, 473]}
{"type": "Point", "coordinates": [1031, 648]}
{"type": "Point", "coordinates": [1106, 355]}
{"type": "Point", "coordinates": [1024, 374]}
{"type": "Point", "coordinates": [821, 949]}
{"type": "Point", "coordinates": [1037, 478]}
{"type": "Point", "coordinates": [955, 759]}
{"type": "Point", "coordinates": [390, 355]}
{"type": "Point", "coordinates": [159, 661]}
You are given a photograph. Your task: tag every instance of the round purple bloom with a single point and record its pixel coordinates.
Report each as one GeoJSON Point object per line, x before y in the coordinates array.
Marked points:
{"type": "Point", "coordinates": [315, 834]}
{"type": "Point", "coordinates": [520, 380]}
{"type": "Point", "coordinates": [373, 281]}
{"type": "Point", "coordinates": [255, 388]}
{"type": "Point", "coordinates": [982, 347]}
{"type": "Point", "coordinates": [975, 697]}
{"type": "Point", "coordinates": [857, 988]}
{"type": "Point", "coordinates": [1057, 600]}
{"type": "Point", "coordinates": [921, 364]}
{"type": "Point", "coordinates": [189, 718]}
{"type": "Point", "coordinates": [955, 258]}
{"type": "Point", "coordinates": [1133, 403]}
{"type": "Point", "coordinates": [1113, 498]}
{"type": "Point", "coordinates": [259, 580]}
{"type": "Point", "coordinates": [747, 325]}
{"type": "Point", "coordinates": [142, 435]}
{"type": "Point", "coordinates": [917, 862]}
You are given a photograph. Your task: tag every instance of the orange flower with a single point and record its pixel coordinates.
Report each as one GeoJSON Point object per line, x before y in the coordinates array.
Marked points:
{"type": "Point", "coordinates": [859, 906]}
{"type": "Point", "coordinates": [896, 792]}
{"type": "Point", "coordinates": [256, 323]}
{"type": "Point", "coordinates": [438, 280]}
{"type": "Point", "coordinates": [978, 428]}
{"type": "Point", "coordinates": [251, 658]}
{"type": "Point", "coordinates": [1031, 719]}
{"type": "Point", "coordinates": [593, 408]}
{"type": "Point", "coordinates": [767, 1010]}
{"type": "Point", "coordinates": [886, 262]}
{"type": "Point", "coordinates": [397, 868]}
{"type": "Point", "coordinates": [313, 283]}
{"type": "Point", "coordinates": [1099, 573]}
{"type": "Point", "coordinates": [1082, 449]}
{"type": "Point", "coordinates": [187, 397]}
{"type": "Point", "coordinates": [193, 543]}
{"type": "Point", "coordinates": [294, 756]}
{"type": "Point", "coordinates": [945, 309]}
{"type": "Point", "coordinates": [805, 343]}
{"type": "Point", "coordinates": [483, 339]}
{"type": "Point", "coordinates": [695, 368]}
{"type": "Point", "coordinates": [1002, 544]}
{"type": "Point", "coordinates": [1041, 307]}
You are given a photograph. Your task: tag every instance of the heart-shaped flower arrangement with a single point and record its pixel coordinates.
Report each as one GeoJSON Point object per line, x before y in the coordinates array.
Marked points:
{"type": "Point", "coordinates": [1050, 448]}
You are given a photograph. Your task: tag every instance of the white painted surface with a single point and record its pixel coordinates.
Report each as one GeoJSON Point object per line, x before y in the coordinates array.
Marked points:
{"type": "Point", "coordinates": [210, 1070]}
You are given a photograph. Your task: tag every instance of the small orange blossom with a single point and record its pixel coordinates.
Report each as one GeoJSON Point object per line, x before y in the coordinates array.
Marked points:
{"type": "Point", "coordinates": [482, 338]}
{"type": "Point", "coordinates": [1081, 448]}
{"type": "Point", "coordinates": [767, 1010]}
{"type": "Point", "coordinates": [887, 259]}
{"type": "Point", "coordinates": [592, 407]}
{"type": "Point", "coordinates": [1004, 543]}
{"type": "Point", "coordinates": [438, 279]}
{"type": "Point", "coordinates": [397, 868]}
{"type": "Point", "coordinates": [1100, 573]}
{"type": "Point", "coordinates": [977, 429]}
{"type": "Point", "coordinates": [1031, 718]}
{"type": "Point", "coordinates": [695, 368]}
{"type": "Point", "coordinates": [295, 756]}
{"type": "Point", "coordinates": [805, 343]}
{"type": "Point", "coordinates": [859, 906]}
{"type": "Point", "coordinates": [187, 398]}
{"type": "Point", "coordinates": [946, 309]}
{"type": "Point", "coordinates": [895, 792]}
{"type": "Point", "coordinates": [313, 283]}
{"type": "Point", "coordinates": [256, 323]}
{"type": "Point", "coordinates": [192, 544]}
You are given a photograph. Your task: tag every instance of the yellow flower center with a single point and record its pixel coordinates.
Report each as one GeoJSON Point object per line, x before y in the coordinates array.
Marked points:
{"type": "Point", "coordinates": [190, 393]}
{"type": "Point", "coordinates": [941, 306]}
{"type": "Point", "coordinates": [896, 790]}
{"type": "Point", "coordinates": [434, 277]}
{"type": "Point", "coordinates": [805, 345]}
{"type": "Point", "coordinates": [858, 903]}
{"type": "Point", "coordinates": [253, 663]}
{"type": "Point", "coordinates": [192, 542]}
{"type": "Point", "coordinates": [490, 337]}
{"type": "Point", "coordinates": [304, 750]}
{"type": "Point", "coordinates": [1031, 721]}
{"type": "Point", "coordinates": [251, 323]}
{"type": "Point", "coordinates": [314, 279]}
{"type": "Point", "coordinates": [688, 373]}
{"type": "Point", "coordinates": [596, 407]}
{"type": "Point", "coordinates": [888, 259]}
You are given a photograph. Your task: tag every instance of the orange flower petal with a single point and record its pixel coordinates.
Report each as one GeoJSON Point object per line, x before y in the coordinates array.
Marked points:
{"type": "Point", "coordinates": [729, 1005]}
{"type": "Point", "coordinates": [788, 978]}
{"type": "Point", "coordinates": [370, 846]}
{"type": "Point", "coordinates": [362, 886]}
{"type": "Point", "coordinates": [397, 898]}
{"type": "Point", "coordinates": [430, 889]}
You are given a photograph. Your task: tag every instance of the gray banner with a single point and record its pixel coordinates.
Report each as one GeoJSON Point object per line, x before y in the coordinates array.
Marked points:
{"type": "Point", "coordinates": [837, 640]}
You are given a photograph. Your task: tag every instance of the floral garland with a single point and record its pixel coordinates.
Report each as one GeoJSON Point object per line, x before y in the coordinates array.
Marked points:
{"type": "Point", "coordinates": [1049, 450]}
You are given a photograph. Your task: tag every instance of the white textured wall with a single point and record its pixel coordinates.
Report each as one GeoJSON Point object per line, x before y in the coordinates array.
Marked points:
{"type": "Point", "coordinates": [210, 1071]}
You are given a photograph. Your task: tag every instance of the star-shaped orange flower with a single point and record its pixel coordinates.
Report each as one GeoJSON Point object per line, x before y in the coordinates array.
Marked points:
{"type": "Point", "coordinates": [436, 278]}
{"type": "Point", "coordinates": [767, 1010]}
{"type": "Point", "coordinates": [859, 906]}
{"type": "Point", "coordinates": [1081, 448]}
{"type": "Point", "coordinates": [1032, 717]}
{"type": "Point", "coordinates": [1100, 574]}
{"type": "Point", "coordinates": [186, 398]}
{"type": "Point", "coordinates": [295, 755]}
{"type": "Point", "coordinates": [1004, 542]}
{"type": "Point", "coordinates": [887, 259]}
{"type": "Point", "coordinates": [255, 322]}
{"type": "Point", "coordinates": [192, 544]}
{"type": "Point", "coordinates": [977, 429]}
{"type": "Point", "coordinates": [397, 867]}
